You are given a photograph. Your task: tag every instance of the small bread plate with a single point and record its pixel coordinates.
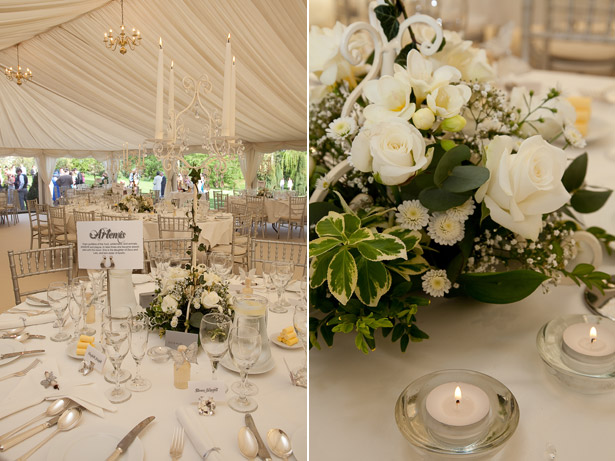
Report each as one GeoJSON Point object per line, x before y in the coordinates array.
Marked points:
{"type": "Point", "coordinates": [274, 340]}
{"type": "Point", "coordinates": [71, 350]}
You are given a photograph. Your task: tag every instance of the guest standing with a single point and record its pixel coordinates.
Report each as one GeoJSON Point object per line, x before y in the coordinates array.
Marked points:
{"type": "Point", "coordinates": [157, 184]}
{"type": "Point", "coordinates": [22, 187]}
{"type": "Point", "coordinates": [163, 185]}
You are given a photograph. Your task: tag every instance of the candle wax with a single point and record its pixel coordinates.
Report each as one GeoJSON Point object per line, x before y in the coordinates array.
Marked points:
{"type": "Point", "coordinates": [581, 354]}
{"type": "Point", "coordinates": [472, 407]}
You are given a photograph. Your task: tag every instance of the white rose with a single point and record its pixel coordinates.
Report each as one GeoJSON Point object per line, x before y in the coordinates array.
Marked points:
{"type": "Point", "coordinates": [169, 304]}
{"type": "Point", "coordinates": [390, 98]}
{"type": "Point", "coordinates": [394, 151]}
{"type": "Point", "coordinates": [523, 186]}
{"type": "Point", "coordinates": [423, 118]}
{"type": "Point", "coordinates": [471, 61]}
{"type": "Point", "coordinates": [448, 100]}
{"type": "Point", "coordinates": [174, 322]}
{"type": "Point", "coordinates": [210, 299]}
{"type": "Point", "coordinates": [552, 124]}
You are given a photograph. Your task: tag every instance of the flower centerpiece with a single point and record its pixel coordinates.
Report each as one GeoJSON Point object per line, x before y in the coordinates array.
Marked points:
{"type": "Point", "coordinates": [184, 295]}
{"type": "Point", "coordinates": [430, 181]}
{"type": "Point", "coordinates": [136, 204]}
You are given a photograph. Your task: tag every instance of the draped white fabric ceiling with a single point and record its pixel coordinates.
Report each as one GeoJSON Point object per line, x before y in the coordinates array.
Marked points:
{"type": "Point", "coordinates": [86, 100]}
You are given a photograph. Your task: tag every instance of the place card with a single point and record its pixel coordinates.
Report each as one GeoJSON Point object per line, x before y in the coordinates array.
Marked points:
{"type": "Point", "coordinates": [96, 357]}
{"type": "Point", "coordinates": [215, 389]}
{"type": "Point", "coordinates": [110, 244]}
{"type": "Point", "coordinates": [173, 339]}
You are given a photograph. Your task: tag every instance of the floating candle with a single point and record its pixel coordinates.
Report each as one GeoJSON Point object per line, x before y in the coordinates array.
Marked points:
{"type": "Point", "coordinates": [589, 348]}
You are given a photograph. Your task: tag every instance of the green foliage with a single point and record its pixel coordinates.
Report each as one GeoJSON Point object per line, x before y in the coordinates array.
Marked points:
{"type": "Point", "coordinates": [603, 236]}
{"type": "Point", "coordinates": [33, 187]}
{"type": "Point", "coordinates": [575, 173]}
{"type": "Point", "coordinates": [289, 164]}
{"type": "Point", "coordinates": [588, 201]}
{"type": "Point", "coordinates": [587, 275]}
{"type": "Point", "coordinates": [501, 287]}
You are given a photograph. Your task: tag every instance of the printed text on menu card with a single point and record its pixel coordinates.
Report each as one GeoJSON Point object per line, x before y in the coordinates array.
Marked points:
{"type": "Point", "coordinates": [110, 244]}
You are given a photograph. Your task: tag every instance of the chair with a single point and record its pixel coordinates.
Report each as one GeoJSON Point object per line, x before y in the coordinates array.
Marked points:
{"type": "Point", "coordinates": [41, 261]}
{"type": "Point", "coordinates": [173, 225]}
{"type": "Point", "coordinates": [220, 200]}
{"type": "Point", "coordinates": [270, 251]}
{"type": "Point", "coordinates": [31, 207]}
{"type": "Point", "coordinates": [113, 217]}
{"type": "Point", "coordinates": [84, 216]}
{"type": "Point", "coordinates": [177, 249]}
{"type": "Point", "coordinates": [4, 210]}
{"type": "Point", "coordinates": [61, 234]}
{"type": "Point", "coordinates": [296, 215]}
{"type": "Point", "coordinates": [255, 206]}
{"type": "Point", "coordinates": [573, 35]}
{"type": "Point", "coordinates": [45, 230]}
{"type": "Point", "coordinates": [240, 241]}
{"type": "Point", "coordinates": [11, 206]}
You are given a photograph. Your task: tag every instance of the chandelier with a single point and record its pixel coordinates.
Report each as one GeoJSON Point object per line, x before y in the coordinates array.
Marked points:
{"type": "Point", "coordinates": [122, 40]}
{"type": "Point", "coordinates": [16, 74]}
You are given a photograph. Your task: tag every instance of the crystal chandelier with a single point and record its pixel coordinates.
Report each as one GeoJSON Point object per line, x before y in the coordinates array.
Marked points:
{"type": "Point", "coordinates": [122, 40]}
{"type": "Point", "coordinates": [16, 74]}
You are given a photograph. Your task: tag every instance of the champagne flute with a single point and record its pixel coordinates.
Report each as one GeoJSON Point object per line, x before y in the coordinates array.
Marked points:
{"type": "Point", "coordinates": [300, 322]}
{"type": "Point", "coordinates": [122, 314]}
{"type": "Point", "coordinates": [80, 293]}
{"type": "Point", "coordinates": [58, 297]}
{"type": "Point", "coordinates": [116, 343]}
{"type": "Point", "coordinates": [214, 332]}
{"type": "Point", "coordinates": [244, 348]}
{"type": "Point", "coordinates": [139, 336]}
{"type": "Point", "coordinates": [280, 276]}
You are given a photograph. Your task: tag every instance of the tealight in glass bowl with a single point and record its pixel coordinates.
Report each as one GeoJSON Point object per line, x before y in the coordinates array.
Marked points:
{"type": "Point", "coordinates": [417, 426]}
{"type": "Point", "coordinates": [549, 344]}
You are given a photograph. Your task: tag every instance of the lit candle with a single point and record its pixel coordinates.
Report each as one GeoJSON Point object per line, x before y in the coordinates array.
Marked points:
{"type": "Point", "coordinates": [226, 98]}
{"type": "Point", "coordinates": [458, 413]}
{"type": "Point", "coordinates": [171, 89]}
{"type": "Point", "coordinates": [589, 348]}
{"type": "Point", "coordinates": [159, 92]}
{"type": "Point", "coordinates": [231, 122]}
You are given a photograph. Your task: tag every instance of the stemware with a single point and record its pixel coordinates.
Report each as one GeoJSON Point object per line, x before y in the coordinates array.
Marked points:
{"type": "Point", "coordinates": [244, 349]}
{"type": "Point", "coordinates": [300, 323]}
{"type": "Point", "coordinates": [214, 332]}
{"type": "Point", "coordinates": [268, 269]}
{"type": "Point", "coordinates": [139, 336]}
{"type": "Point", "coordinates": [58, 297]}
{"type": "Point", "coordinates": [116, 342]}
{"type": "Point", "coordinates": [124, 315]}
{"type": "Point", "coordinates": [81, 291]}
{"type": "Point", "coordinates": [280, 276]}
{"type": "Point", "coordinates": [74, 309]}
{"type": "Point", "coordinates": [222, 264]}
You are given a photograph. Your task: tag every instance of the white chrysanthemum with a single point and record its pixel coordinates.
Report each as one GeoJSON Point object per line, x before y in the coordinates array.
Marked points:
{"type": "Point", "coordinates": [323, 183]}
{"type": "Point", "coordinates": [435, 283]}
{"type": "Point", "coordinates": [462, 212]}
{"type": "Point", "coordinates": [342, 127]}
{"type": "Point", "coordinates": [574, 136]}
{"type": "Point", "coordinates": [445, 229]}
{"type": "Point", "coordinates": [412, 215]}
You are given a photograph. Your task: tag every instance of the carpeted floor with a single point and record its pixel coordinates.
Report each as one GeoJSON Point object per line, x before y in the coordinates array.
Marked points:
{"type": "Point", "coordinates": [17, 238]}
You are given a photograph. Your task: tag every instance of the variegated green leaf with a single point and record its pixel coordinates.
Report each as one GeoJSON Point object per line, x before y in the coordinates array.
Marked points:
{"type": "Point", "coordinates": [351, 223]}
{"type": "Point", "coordinates": [322, 245]}
{"type": "Point", "coordinates": [360, 235]}
{"type": "Point", "coordinates": [319, 266]}
{"type": "Point", "coordinates": [342, 276]}
{"type": "Point", "coordinates": [413, 266]}
{"type": "Point", "coordinates": [345, 206]}
{"type": "Point", "coordinates": [383, 247]}
{"type": "Point", "coordinates": [374, 280]}
{"type": "Point", "coordinates": [331, 226]}
{"type": "Point", "coordinates": [410, 237]}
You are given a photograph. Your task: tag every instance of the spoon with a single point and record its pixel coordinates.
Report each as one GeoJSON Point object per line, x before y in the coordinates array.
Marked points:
{"type": "Point", "coordinates": [13, 331]}
{"type": "Point", "coordinates": [248, 446]}
{"type": "Point", "coordinates": [69, 419]}
{"type": "Point", "coordinates": [23, 336]}
{"type": "Point", "coordinates": [279, 443]}
{"type": "Point", "coordinates": [56, 407]}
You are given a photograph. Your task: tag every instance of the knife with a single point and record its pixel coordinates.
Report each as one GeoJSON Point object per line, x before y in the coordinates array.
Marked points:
{"type": "Point", "coordinates": [129, 438]}
{"type": "Point", "coordinates": [18, 354]}
{"type": "Point", "coordinates": [29, 336]}
{"type": "Point", "coordinates": [9, 443]}
{"type": "Point", "coordinates": [263, 453]}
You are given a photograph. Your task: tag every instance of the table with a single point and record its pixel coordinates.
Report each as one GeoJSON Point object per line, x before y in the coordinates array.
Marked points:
{"type": "Point", "coordinates": [280, 404]}
{"type": "Point", "coordinates": [274, 209]}
{"type": "Point", "coordinates": [353, 396]}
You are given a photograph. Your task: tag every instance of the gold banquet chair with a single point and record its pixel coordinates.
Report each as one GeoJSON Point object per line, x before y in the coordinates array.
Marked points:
{"type": "Point", "coordinates": [39, 262]}
{"type": "Point", "coordinates": [173, 227]}
{"type": "Point", "coordinates": [58, 224]}
{"type": "Point", "coordinates": [270, 251]}
{"type": "Point", "coordinates": [172, 249]}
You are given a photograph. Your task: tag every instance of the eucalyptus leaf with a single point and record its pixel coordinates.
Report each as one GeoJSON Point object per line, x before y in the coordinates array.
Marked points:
{"type": "Point", "coordinates": [502, 287]}
{"type": "Point", "coordinates": [465, 178]}
{"type": "Point", "coordinates": [440, 199]}
{"type": "Point", "coordinates": [450, 160]}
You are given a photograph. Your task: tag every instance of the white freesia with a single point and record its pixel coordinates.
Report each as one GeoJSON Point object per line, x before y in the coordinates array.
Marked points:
{"type": "Point", "coordinates": [419, 74]}
{"type": "Point", "coordinates": [394, 151]}
{"type": "Point", "coordinates": [210, 278]}
{"type": "Point", "coordinates": [169, 304]}
{"type": "Point", "coordinates": [390, 98]}
{"type": "Point", "coordinates": [471, 61]}
{"type": "Point", "coordinates": [210, 299]}
{"type": "Point", "coordinates": [553, 122]}
{"type": "Point", "coordinates": [448, 100]}
{"type": "Point", "coordinates": [423, 118]}
{"type": "Point", "coordinates": [523, 186]}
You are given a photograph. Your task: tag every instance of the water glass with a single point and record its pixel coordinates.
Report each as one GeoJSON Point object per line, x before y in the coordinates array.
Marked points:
{"type": "Point", "coordinates": [139, 337]}
{"type": "Point", "coordinates": [222, 264]}
{"type": "Point", "coordinates": [244, 349]}
{"type": "Point", "coordinates": [281, 275]}
{"type": "Point", "coordinates": [214, 332]}
{"type": "Point", "coordinates": [58, 296]}
{"type": "Point", "coordinates": [116, 343]}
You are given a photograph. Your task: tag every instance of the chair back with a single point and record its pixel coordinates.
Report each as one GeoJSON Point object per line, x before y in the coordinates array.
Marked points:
{"type": "Point", "coordinates": [112, 217]}
{"type": "Point", "coordinates": [84, 215]}
{"type": "Point", "coordinates": [177, 249]}
{"type": "Point", "coordinates": [271, 251]}
{"type": "Point", "coordinates": [296, 207]}
{"type": "Point", "coordinates": [220, 199]}
{"type": "Point", "coordinates": [57, 220]}
{"type": "Point", "coordinates": [30, 263]}
{"type": "Point", "coordinates": [172, 225]}
{"type": "Point", "coordinates": [31, 207]}
{"type": "Point", "coordinates": [255, 205]}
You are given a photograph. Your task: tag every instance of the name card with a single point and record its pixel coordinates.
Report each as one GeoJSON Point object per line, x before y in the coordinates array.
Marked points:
{"type": "Point", "coordinates": [173, 339]}
{"type": "Point", "coordinates": [96, 357]}
{"type": "Point", "coordinates": [110, 244]}
{"type": "Point", "coordinates": [215, 389]}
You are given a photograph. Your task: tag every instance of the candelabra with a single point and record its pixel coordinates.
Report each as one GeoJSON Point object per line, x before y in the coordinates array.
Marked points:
{"type": "Point", "coordinates": [17, 75]}
{"type": "Point", "coordinates": [123, 39]}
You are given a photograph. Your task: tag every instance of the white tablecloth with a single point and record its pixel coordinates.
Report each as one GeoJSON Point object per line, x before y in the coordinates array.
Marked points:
{"type": "Point", "coordinates": [353, 396]}
{"type": "Point", "coordinates": [274, 209]}
{"type": "Point", "coordinates": [280, 404]}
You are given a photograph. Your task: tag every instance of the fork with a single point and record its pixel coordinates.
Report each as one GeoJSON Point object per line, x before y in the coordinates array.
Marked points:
{"type": "Point", "coordinates": [22, 372]}
{"type": "Point", "coordinates": [177, 444]}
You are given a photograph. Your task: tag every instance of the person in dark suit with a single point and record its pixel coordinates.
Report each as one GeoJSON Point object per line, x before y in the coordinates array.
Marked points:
{"type": "Point", "coordinates": [163, 185]}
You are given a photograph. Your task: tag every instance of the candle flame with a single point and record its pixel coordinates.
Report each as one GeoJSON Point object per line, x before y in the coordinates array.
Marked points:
{"type": "Point", "coordinates": [228, 37]}
{"type": "Point", "coordinates": [233, 60]}
{"type": "Point", "coordinates": [457, 395]}
{"type": "Point", "coordinates": [171, 64]}
{"type": "Point", "coordinates": [593, 335]}
{"type": "Point", "coordinates": [160, 42]}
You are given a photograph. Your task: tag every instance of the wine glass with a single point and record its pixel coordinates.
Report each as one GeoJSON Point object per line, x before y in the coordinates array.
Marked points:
{"type": "Point", "coordinates": [244, 349]}
{"type": "Point", "coordinates": [214, 332]}
{"type": "Point", "coordinates": [280, 276]}
{"type": "Point", "coordinates": [139, 336]}
{"type": "Point", "coordinates": [58, 296]}
{"type": "Point", "coordinates": [268, 269]}
{"type": "Point", "coordinates": [81, 292]}
{"type": "Point", "coordinates": [300, 322]}
{"type": "Point", "coordinates": [123, 313]}
{"type": "Point", "coordinates": [116, 343]}
{"type": "Point", "coordinates": [222, 264]}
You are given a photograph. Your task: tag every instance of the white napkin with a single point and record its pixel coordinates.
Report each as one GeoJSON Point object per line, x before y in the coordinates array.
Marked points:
{"type": "Point", "coordinates": [196, 430]}
{"type": "Point", "coordinates": [15, 320]}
